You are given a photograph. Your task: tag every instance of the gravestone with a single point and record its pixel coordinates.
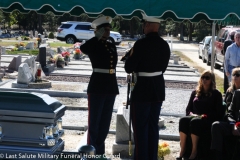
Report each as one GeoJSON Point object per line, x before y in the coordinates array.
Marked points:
{"type": "Point", "coordinates": [42, 56]}
{"type": "Point", "coordinates": [36, 34]}
{"type": "Point", "coordinates": [30, 45]}
{"type": "Point", "coordinates": [60, 50]}
{"type": "Point", "coordinates": [19, 39]}
{"type": "Point", "coordinates": [24, 74]}
{"type": "Point", "coordinates": [122, 133]}
{"type": "Point", "coordinates": [49, 53]}
{"type": "Point", "coordinates": [47, 68]}
{"type": "Point", "coordinates": [31, 34]}
{"type": "Point", "coordinates": [3, 50]}
{"type": "Point", "coordinates": [32, 65]}
{"type": "Point", "coordinates": [44, 41]}
{"type": "Point", "coordinates": [14, 64]}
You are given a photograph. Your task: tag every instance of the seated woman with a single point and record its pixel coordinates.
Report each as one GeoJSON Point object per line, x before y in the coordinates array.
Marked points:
{"type": "Point", "coordinates": [221, 129]}
{"type": "Point", "coordinates": [205, 100]}
{"type": "Point", "coordinates": [235, 84]}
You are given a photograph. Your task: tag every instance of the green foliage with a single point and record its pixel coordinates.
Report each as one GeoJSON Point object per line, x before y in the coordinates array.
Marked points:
{"type": "Point", "coordinates": [25, 38]}
{"type": "Point", "coordinates": [30, 52]}
{"type": "Point", "coordinates": [51, 20]}
{"type": "Point", "coordinates": [115, 26]}
{"type": "Point", "coordinates": [202, 30]}
{"type": "Point", "coordinates": [170, 27]}
{"type": "Point", "coordinates": [51, 35]}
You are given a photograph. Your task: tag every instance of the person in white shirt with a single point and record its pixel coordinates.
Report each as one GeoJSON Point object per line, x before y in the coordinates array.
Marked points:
{"type": "Point", "coordinates": [232, 56]}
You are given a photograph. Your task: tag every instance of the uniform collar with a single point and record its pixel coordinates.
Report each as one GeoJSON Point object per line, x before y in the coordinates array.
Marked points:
{"type": "Point", "coordinates": [152, 34]}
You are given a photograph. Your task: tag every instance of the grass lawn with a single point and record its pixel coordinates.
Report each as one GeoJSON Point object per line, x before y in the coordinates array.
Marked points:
{"type": "Point", "coordinates": [219, 80]}
{"type": "Point", "coordinates": [30, 52]}
{"type": "Point", "coordinates": [52, 44]}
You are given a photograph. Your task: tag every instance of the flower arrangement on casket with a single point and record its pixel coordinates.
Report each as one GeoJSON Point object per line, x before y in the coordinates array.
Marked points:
{"type": "Point", "coordinates": [163, 150]}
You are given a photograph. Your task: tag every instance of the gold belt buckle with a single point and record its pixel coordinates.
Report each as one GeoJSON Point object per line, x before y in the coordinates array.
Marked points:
{"type": "Point", "coordinates": [111, 71]}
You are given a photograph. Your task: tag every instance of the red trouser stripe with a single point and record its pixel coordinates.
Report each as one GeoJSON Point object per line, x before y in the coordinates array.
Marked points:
{"type": "Point", "coordinates": [88, 136]}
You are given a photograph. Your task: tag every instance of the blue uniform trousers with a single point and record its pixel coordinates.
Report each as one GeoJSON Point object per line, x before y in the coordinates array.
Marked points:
{"type": "Point", "coordinates": [145, 117]}
{"type": "Point", "coordinates": [100, 107]}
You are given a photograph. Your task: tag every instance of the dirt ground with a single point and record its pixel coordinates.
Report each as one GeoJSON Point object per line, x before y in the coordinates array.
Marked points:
{"type": "Point", "coordinates": [174, 147]}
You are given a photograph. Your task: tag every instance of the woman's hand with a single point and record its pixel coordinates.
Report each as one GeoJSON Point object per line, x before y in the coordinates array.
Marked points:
{"type": "Point", "coordinates": [192, 114]}
{"type": "Point", "coordinates": [235, 131]}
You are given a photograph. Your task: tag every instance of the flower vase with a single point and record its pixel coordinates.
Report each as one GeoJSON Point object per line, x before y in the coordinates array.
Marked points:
{"type": "Point", "coordinates": [67, 60]}
{"type": "Point", "coordinates": [60, 64]}
{"type": "Point", "coordinates": [77, 56]}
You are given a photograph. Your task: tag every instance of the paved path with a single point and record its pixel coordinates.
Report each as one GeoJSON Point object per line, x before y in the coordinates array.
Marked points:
{"type": "Point", "coordinates": [191, 51]}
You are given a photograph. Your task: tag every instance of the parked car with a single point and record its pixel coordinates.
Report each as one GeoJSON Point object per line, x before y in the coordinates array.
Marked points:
{"type": "Point", "coordinates": [73, 31]}
{"type": "Point", "coordinates": [223, 34]}
{"type": "Point", "coordinates": [203, 45]}
{"type": "Point", "coordinates": [207, 52]}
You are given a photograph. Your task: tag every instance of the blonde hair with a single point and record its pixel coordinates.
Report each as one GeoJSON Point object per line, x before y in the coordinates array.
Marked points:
{"type": "Point", "coordinates": [232, 85]}
{"type": "Point", "coordinates": [199, 88]}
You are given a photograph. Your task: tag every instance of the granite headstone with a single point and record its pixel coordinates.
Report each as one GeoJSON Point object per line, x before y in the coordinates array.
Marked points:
{"type": "Point", "coordinates": [24, 74]}
{"type": "Point", "coordinates": [32, 65]}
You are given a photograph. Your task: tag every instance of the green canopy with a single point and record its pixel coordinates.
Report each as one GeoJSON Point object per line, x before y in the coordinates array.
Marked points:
{"type": "Point", "coordinates": [174, 9]}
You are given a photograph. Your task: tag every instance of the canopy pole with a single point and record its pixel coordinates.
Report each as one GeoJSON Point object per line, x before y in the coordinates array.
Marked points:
{"type": "Point", "coordinates": [213, 47]}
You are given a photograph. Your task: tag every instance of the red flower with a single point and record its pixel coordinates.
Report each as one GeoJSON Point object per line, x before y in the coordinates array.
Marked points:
{"type": "Point", "coordinates": [77, 51]}
{"type": "Point", "coordinates": [203, 116]}
{"type": "Point", "coordinates": [237, 124]}
{"type": "Point", "coordinates": [66, 54]}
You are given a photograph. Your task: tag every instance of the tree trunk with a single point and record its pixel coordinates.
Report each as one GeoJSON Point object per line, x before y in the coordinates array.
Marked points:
{"type": "Point", "coordinates": [190, 31]}
{"type": "Point", "coordinates": [131, 29]}
{"type": "Point", "coordinates": [40, 24]}
{"type": "Point", "coordinates": [181, 32]}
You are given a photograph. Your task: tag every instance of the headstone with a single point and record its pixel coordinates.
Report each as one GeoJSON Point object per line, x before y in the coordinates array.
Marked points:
{"type": "Point", "coordinates": [19, 39]}
{"type": "Point", "coordinates": [60, 50]}
{"type": "Point", "coordinates": [122, 133]}
{"type": "Point", "coordinates": [3, 50]}
{"type": "Point", "coordinates": [32, 65]}
{"type": "Point", "coordinates": [49, 53]}
{"type": "Point", "coordinates": [30, 45]}
{"type": "Point", "coordinates": [31, 34]}
{"type": "Point", "coordinates": [20, 48]}
{"type": "Point", "coordinates": [44, 45]}
{"type": "Point", "coordinates": [44, 41]}
{"type": "Point", "coordinates": [42, 56]}
{"type": "Point", "coordinates": [36, 33]}
{"type": "Point", "coordinates": [14, 64]}
{"type": "Point", "coordinates": [24, 74]}
{"type": "Point", "coordinates": [175, 59]}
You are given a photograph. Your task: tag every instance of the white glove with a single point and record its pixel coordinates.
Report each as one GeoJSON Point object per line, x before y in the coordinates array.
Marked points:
{"type": "Point", "coordinates": [99, 33]}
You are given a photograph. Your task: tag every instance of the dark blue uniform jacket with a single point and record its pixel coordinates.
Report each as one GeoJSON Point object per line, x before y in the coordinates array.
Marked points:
{"type": "Point", "coordinates": [102, 54]}
{"type": "Point", "coordinates": [150, 54]}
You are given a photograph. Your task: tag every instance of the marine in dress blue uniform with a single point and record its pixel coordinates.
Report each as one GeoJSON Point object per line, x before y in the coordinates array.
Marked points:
{"type": "Point", "coordinates": [102, 88]}
{"type": "Point", "coordinates": [148, 59]}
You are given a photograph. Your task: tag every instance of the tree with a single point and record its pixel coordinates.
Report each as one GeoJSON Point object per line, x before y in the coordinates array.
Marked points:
{"type": "Point", "coordinates": [51, 20]}
{"type": "Point", "coordinates": [116, 23]}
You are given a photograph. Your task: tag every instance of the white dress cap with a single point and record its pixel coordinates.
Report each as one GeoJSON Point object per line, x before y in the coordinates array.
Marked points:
{"type": "Point", "coordinates": [150, 19]}
{"type": "Point", "coordinates": [101, 20]}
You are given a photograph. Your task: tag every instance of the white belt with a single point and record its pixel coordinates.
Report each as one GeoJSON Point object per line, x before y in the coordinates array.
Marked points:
{"type": "Point", "coordinates": [99, 70]}
{"type": "Point", "coordinates": [147, 74]}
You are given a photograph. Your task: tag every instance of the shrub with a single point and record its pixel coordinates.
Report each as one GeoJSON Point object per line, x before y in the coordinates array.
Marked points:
{"type": "Point", "coordinates": [51, 35]}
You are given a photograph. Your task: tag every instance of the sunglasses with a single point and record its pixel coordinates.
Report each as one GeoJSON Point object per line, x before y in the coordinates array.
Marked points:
{"type": "Point", "coordinates": [205, 77]}
{"type": "Point", "coordinates": [237, 75]}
